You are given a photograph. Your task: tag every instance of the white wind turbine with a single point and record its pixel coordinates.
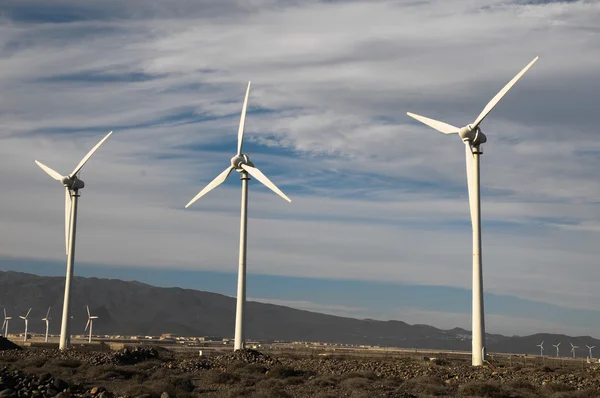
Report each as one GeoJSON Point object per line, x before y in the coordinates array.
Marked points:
{"type": "Point", "coordinates": [241, 163]}
{"type": "Point", "coordinates": [590, 348]}
{"type": "Point", "coordinates": [541, 348]}
{"type": "Point", "coordinates": [557, 345]}
{"type": "Point", "coordinates": [90, 323]}
{"type": "Point", "coordinates": [473, 137]}
{"type": "Point", "coordinates": [26, 319]}
{"type": "Point", "coordinates": [72, 185]}
{"type": "Point", "coordinates": [5, 323]}
{"type": "Point", "coordinates": [573, 349]}
{"type": "Point", "coordinates": [47, 319]}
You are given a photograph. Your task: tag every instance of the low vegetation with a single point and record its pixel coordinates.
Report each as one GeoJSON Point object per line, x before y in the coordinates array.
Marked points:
{"type": "Point", "coordinates": [162, 374]}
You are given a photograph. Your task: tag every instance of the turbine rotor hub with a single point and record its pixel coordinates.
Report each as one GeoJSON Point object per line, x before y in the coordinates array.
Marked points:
{"type": "Point", "coordinates": [473, 136]}
{"type": "Point", "coordinates": [73, 183]}
{"type": "Point", "coordinates": [238, 160]}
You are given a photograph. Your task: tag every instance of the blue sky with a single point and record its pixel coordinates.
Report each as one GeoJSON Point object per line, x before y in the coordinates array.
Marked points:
{"type": "Point", "coordinates": [379, 224]}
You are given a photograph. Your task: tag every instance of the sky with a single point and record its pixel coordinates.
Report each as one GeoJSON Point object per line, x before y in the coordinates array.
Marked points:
{"type": "Point", "coordinates": [379, 225]}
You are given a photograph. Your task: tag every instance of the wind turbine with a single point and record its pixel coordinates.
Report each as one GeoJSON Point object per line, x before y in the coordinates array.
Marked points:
{"type": "Point", "coordinates": [557, 345]}
{"type": "Point", "coordinates": [5, 323]}
{"type": "Point", "coordinates": [26, 319]}
{"type": "Point", "coordinates": [573, 349]}
{"type": "Point", "coordinates": [590, 348]}
{"type": "Point", "coordinates": [473, 137]}
{"type": "Point", "coordinates": [541, 348]}
{"type": "Point", "coordinates": [242, 164]}
{"type": "Point", "coordinates": [72, 185]}
{"type": "Point", "coordinates": [90, 323]}
{"type": "Point", "coordinates": [47, 319]}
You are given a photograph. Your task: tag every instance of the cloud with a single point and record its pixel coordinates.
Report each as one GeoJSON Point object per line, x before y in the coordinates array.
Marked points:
{"type": "Point", "coordinates": [375, 195]}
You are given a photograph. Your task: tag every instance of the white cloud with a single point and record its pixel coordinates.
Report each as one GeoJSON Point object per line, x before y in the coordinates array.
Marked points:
{"type": "Point", "coordinates": [337, 89]}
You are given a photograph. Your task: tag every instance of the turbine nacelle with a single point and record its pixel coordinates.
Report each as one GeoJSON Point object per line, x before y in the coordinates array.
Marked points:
{"type": "Point", "coordinates": [472, 135]}
{"type": "Point", "coordinates": [72, 183]}
{"type": "Point", "coordinates": [239, 160]}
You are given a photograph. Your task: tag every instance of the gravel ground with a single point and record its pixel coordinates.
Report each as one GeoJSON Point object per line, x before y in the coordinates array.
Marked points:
{"type": "Point", "coordinates": [149, 372]}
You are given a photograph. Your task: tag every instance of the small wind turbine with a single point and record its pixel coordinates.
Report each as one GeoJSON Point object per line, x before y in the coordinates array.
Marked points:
{"type": "Point", "coordinates": [26, 319]}
{"type": "Point", "coordinates": [90, 323]}
{"type": "Point", "coordinates": [590, 348]}
{"type": "Point", "coordinates": [557, 345]}
{"type": "Point", "coordinates": [72, 185]}
{"type": "Point", "coordinates": [5, 323]}
{"type": "Point", "coordinates": [242, 164]}
{"type": "Point", "coordinates": [47, 319]}
{"type": "Point", "coordinates": [573, 349]}
{"type": "Point", "coordinates": [541, 348]}
{"type": "Point", "coordinates": [473, 137]}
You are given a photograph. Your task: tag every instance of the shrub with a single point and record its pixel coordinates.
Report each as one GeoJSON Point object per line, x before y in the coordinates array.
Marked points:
{"type": "Point", "coordinates": [66, 363]}
{"type": "Point", "coordinates": [282, 372]}
{"type": "Point", "coordinates": [426, 386]}
{"type": "Point", "coordinates": [355, 383]}
{"type": "Point", "coordinates": [483, 389]}
{"type": "Point", "coordinates": [218, 377]}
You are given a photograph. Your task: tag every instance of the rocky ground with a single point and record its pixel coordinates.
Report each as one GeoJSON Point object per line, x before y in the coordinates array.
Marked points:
{"type": "Point", "coordinates": [148, 372]}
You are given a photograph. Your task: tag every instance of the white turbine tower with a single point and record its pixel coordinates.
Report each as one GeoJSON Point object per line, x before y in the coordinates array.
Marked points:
{"type": "Point", "coordinates": [47, 320]}
{"type": "Point", "coordinates": [573, 349]}
{"type": "Point", "coordinates": [473, 137]}
{"type": "Point", "coordinates": [557, 345]}
{"type": "Point", "coordinates": [241, 163]}
{"type": "Point", "coordinates": [26, 319]}
{"type": "Point", "coordinates": [541, 348]}
{"type": "Point", "coordinates": [590, 348]}
{"type": "Point", "coordinates": [72, 185]}
{"type": "Point", "coordinates": [5, 323]}
{"type": "Point", "coordinates": [90, 323]}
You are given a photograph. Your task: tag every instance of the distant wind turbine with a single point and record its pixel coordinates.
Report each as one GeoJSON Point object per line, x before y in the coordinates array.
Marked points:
{"type": "Point", "coordinates": [541, 348]}
{"type": "Point", "coordinates": [90, 323]}
{"type": "Point", "coordinates": [5, 323]}
{"type": "Point", "coordinates": [557, 345]}
{"type": "Point", "coordinates": [573, 349]}
{"type": "Point", "coordinates": [72, 185]}
{"type": "Point", "coordinates": [47, 319]}
{"type": "Point", "coordinates": [242, 164]}
{"type": "Point", "coordinates": [473, 137]}
{"type": "Point", "coordinates": [590, 348]}
{"type": "Point", "coordinates": [26, 319]}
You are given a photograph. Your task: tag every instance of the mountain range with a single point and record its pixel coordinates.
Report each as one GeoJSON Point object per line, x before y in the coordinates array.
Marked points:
{"type": "Point", "coordinates": [134, 308]}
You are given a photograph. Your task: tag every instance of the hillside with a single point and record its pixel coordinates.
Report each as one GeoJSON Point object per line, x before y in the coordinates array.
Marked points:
{"type": "Point", "coordinates": [134, 308]}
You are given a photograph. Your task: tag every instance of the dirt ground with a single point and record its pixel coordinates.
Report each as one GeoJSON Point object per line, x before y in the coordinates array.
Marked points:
{"type": "Point", "coordinates": [150, 372]}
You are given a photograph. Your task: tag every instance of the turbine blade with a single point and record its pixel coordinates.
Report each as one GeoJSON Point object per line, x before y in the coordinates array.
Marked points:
{"type": "Point", "coordinates": [243, 121]}
{"type": "Point", "coordinates": [52, 173]}
{"type": "Point", "coordinates": [4, 312]}
{"type": "Point", "coordinates": [88, 310]}
{"type": "Point", "coordinates": [28, 313]}
{"type": "Point", "coordinates": [89, 155]}
{"type": "Point", "coordinates": [67, 219]}
{"type": "Point", "coordinates": [256, 173]}
{"type": "Point", "coordinates": [3, 324]}
{"type": "Point", "coordinates": [94, 317]}
{"type": "Point", "coordinates": [48, 313]}
{"type": "Point", "coordinates": [435, 124]}
{"type": "Point", "coordinates": [494, 101]}
{"type": "Point", "coordinates": [212, 185]}
{"type": "Point", "coordinates": [470, 159]}
{"type": "Point", "coordinates": [86, 325]}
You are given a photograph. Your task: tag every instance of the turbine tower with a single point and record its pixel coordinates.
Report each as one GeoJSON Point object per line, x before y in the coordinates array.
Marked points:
{"type": "Point", "coordinates": [590, 348]}
{"type": "Point", "coordinates": [90, 323]}
{"type": "Point", "coordinates": [5, 323]}
{"type": "Point", "coordinates": [72, 185]}
{"type": "Point", "coordinates": [473, 137]}
{"type": "Point", "coordinates": [573, 349]}
{"type": "Point", "coordinates": [541, 348]}
{"type": "Point", "coordinates": [242, 164]}
{"type": "Point", "coordinates": [47, 319]}
{"type": "Point", "coordinates": [557, 345]}
{"type": "Point", "coordinates": [26, 319]}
